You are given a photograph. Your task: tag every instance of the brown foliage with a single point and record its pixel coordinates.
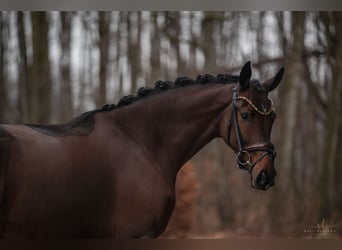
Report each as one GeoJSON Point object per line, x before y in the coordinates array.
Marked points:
{"type": "Point", "coordinates": [183, 217]}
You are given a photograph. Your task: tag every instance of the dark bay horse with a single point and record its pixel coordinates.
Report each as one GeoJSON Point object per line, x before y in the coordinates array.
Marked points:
{"type": "Point", "coordinates": [110, 173]}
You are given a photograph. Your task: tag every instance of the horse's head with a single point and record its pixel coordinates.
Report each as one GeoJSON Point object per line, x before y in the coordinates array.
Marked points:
{"type": "Point", "coordinates": [247, 125]}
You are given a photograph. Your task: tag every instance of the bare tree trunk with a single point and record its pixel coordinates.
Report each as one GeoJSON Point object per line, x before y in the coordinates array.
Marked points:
{"type": "Point", "coordinates": [119, 53]}
{"type": "Point", "coordinates": [155, 50]}
{"type": "Point", "coordinates": [209, 48]}
{"type": "Point", "coordinates": [23, 68]}
{"type": "Point", "coordinates": [39, 89]}
{"type": "Point", "coordinates": [133, 43]}
{"type": "Point", "coordinates": [103, 26]}
{"type": "Point", "coordinates": [193, 45]}
{"type": "Point", "coordinates": [260, 52]}
{"type": "Point", "coordinates": [329, 179]}
{"type": "Point", "coordinates": [65, 94]}
{"type": "Point", "coordinates": [338, 173]}
{"type": "Point", "coordinates": [3, 95]}
{"type": "Point", "coordinates": [173, 32]}
{"type": "Point", "coordinates": [292, 84]}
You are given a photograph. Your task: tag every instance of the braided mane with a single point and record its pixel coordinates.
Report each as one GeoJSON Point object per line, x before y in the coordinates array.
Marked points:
{"type": "Point", "coordinates": [159, 86]}
{"type": "Point", "coordinates": [162, 86]}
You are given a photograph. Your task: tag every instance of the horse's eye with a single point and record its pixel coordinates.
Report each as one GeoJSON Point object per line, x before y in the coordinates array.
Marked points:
{"type": "Point", "coordinates": [244, 116]}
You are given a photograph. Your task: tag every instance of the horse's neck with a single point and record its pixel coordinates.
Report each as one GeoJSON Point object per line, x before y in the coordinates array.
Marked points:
{"type": "Point", "coordinates": [175, 125]}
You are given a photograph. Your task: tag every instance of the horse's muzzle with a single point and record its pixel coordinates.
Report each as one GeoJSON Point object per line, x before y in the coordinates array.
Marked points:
{"type": "Point", "coordinates": [263, 181]}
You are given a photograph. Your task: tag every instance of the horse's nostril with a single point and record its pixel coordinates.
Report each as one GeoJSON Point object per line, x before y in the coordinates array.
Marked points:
{"type": "Point", "coordinates": [262, 179]}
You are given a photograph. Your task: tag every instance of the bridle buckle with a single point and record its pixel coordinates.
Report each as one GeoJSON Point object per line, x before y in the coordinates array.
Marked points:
{"type": "Point", "coordinates": [240, 158]}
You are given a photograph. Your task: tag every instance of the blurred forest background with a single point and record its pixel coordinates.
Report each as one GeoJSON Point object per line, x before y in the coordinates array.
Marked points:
{"type": "Point", "coordinates": [55, 65]}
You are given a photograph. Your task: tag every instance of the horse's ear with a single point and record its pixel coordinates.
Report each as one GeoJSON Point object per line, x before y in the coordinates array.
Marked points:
{"type": "Point", "coordinates": [245, 75]}
{"type": "Point", "coordinates": [272, 83]}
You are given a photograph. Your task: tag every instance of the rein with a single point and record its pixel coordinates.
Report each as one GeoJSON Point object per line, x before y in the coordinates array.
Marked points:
{"type": "Point", "coordinates": [243, 157]}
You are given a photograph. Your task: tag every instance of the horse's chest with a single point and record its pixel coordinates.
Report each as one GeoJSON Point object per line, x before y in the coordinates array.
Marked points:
{"type": "Point", "coordinates": [143, 210]}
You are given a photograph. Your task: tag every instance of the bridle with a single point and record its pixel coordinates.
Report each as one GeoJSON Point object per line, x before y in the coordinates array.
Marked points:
{"type": "Point", "coordinates": [243, 157]}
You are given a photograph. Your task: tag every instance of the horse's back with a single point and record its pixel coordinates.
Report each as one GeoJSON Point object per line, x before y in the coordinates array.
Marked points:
{"type": "Point", "coordinates": [53, 186]}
